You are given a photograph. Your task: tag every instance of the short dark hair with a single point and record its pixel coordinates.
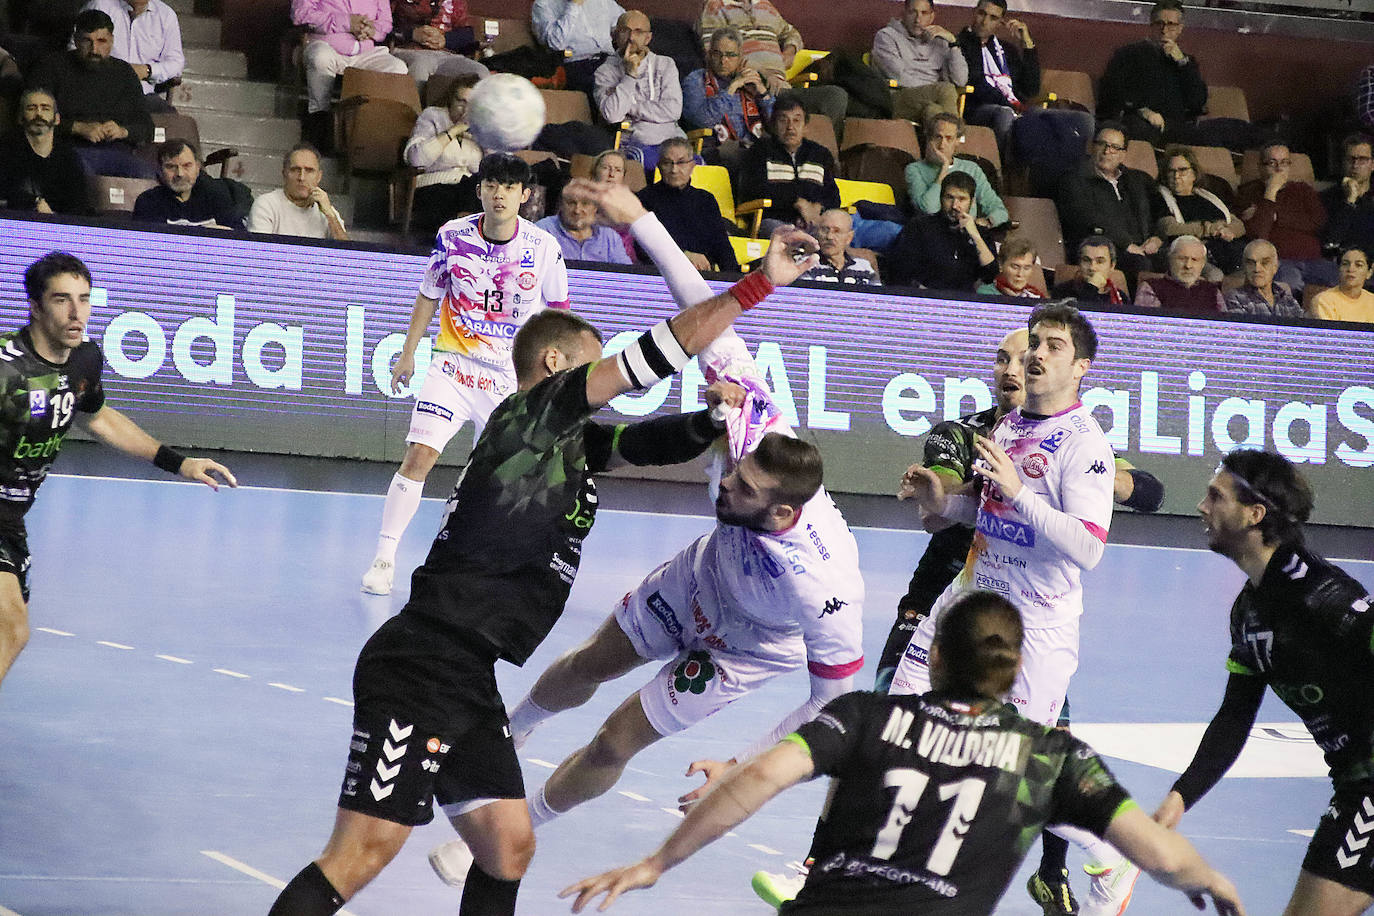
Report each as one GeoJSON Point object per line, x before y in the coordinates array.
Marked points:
{"type": "Point", "coordinates": [556, 328]}
{"type": "Point", "coordinates": [979, 637]}
{"type": "Point", "coordinates": [963, 181]}
{"type": "Point", "coordinates": [1063, 315]}
{"type": "Point", "coordinates": [88, 21]}
{"type": "Point", "coordinates": [1355, 139]}
{"type": "Point", "coordinates": [1162, 5]}
{"type": "Point", "coordinates": [1273, 144]}
{"type": "Point", "coordinates": [1179, 151]}
{"type": "Point", "coordinates": [673, 142]}
{"type": "Point", "coordinates": [796, 465]}
{"type": "Point", "coordinates": [945, 116]}
{"type": "Point", "coordinates": [174, 147]}
{"type": "Point", "coordinates": [1000, 4]}
{"type": "Point", "coordinates": [1098, 241]}
{"type": "Point", "coordinates": [787, 101]}
{"type": "Point", "coordinates": [1273, 481]}
{"type": "Point", "coordinates": [460, 82]}
{"type": "Point", "coordinates": [1362, 249]}
{"type": "Point", "coordinates": [1015, 246]}
{"type": "Point", "coordinates": [35, 90]}
{"type": "Point", "coordinates": [301, 147]}
{"type": "Point", "coordinates": [52, 264]}
{"type": "Point", "coordinates": [504, 168]}
{"type": "Point", "coordinates": [1103, 126]}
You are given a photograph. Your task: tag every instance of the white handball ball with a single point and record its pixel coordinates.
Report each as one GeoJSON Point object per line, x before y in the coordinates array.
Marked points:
{"type": "Point", "coordinates": [505, 113]}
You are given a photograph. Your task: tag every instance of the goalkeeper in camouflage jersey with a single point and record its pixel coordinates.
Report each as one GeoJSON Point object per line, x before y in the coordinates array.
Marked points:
{"type": "Point", "coordinates": [49, 373]}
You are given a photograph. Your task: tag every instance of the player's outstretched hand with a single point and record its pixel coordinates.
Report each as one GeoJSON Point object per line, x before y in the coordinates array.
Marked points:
{"type": "Point", "coordinates": [791, 253]}
{"type": "Point", "coordinates": [923, 485]}
{"type": "Point", "coordinates": [612, 884]}
{"type": "Point", "coordinates": [996, 465]}
{"type": "Point", "coordinates": [713, 770]}
{"type": "Point", "coordinates": [617, 204]}
{"type": "Point", "coordinates": [724, 394]}
{"type": "Point", "coordinates": [402, 371]}
{"type": "Point", "coordinates": [204, 470]}
{"type": "Point", "coordinates": [1224, 896]}
{"type": "Point", "coordinates": [1170, 811]}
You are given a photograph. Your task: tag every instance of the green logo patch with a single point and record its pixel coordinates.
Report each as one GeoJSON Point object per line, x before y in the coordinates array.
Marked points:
{"type": "Point", "coordinates": [695, 673]}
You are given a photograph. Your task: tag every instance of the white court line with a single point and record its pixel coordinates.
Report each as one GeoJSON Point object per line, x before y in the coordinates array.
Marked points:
{"type": "Point", "coordinates": [1306, 833]}
{"type": "Point", "coordinates": [674, 812]}
{"type": "Point", "coordinates": [248, 870]}
{"type": "Point", "coordinates": [541, 763]}
{"type": "Point", "coordinates": [112, 645]}
{"type": "Point", "coordinates": [55, 633]}
{"type": "Point", "coordinates": [287, 687]}
{"type": "Point", "coordinates": [175, 658]}
{"type": "Point", "coordinates": [228, 673]}
{"type": "Point", "coordinates": [769, 850]}
{"type": "Point", "coordinates": [338, 701]}
{"type": "Point", "coordinates": [633, 796]}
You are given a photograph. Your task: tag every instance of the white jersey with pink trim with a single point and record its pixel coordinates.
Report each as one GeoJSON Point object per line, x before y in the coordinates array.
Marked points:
{"type": "Point", "coordinates": [1066, 460]}
{"type": "Point", "coordinates": [487, 290]}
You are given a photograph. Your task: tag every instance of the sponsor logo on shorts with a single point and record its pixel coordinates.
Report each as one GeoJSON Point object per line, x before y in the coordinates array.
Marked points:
{"type": "Point", "coordinates": [1004, 529]}
{"type": "Point", "coordinates": [664, 612]}
{"type": "Point", "coordinates": [695, 672]}
{"type": "Point", "coordinates": [394, 747]}
{"type": "Point", "coordinates": [1055, 439]}
{"type": "Point", "coordinates": [433, 745]}
{"type": "Point", "coordinates": [917, 654]}
{"type": "Point", "coordinates": [429, 766]}
{"type": "Point", "coordinates": [831, 606]}
{"type": "Point", "coordinates": [434, 410]}
{"type": "Point", "coordinates": [1035, 465]}
{"type": "Point", "coordinates": [527, 280]}
{"type": "Point", "coordinates": [992, 584]}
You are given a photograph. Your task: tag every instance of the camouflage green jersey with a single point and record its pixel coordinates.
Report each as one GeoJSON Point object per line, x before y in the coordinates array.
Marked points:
{"type": "Point", "coordinates": [39, 401]}
{"type": "Point", "coordinates": [935, 801]}
{"type": "Point", "coordinates": [504, 560]}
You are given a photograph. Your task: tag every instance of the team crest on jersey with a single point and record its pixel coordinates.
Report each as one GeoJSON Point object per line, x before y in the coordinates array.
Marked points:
{"type": "Point", "coordinates": [1055, 439]}
{"type": "Point", "coordinates": [38, 403]}
{"type": "Point", "coordinates": [527, 259]}
{"type": "Point", "coordinates": [1035, 465]}
{"type": "Point", "coordinates": [449, 367]}
{"type": "Point", "coordinates": [527, 281]}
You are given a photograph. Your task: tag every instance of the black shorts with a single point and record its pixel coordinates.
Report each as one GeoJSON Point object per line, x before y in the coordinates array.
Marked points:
{"type": "Point", "coordinates": [1349, 819]}
{"type": "Point", "coordinates": [428, 723]}
{"type": "Point", "coordinates": [14, 559]}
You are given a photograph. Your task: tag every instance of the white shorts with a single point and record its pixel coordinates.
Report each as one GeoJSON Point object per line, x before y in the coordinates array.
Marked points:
{"type": "Point", "coordinates": [1049, 657]}
{"type": "Point", "coordinates": [714, 658]}
{"type": "Point", "coordinates": [456, 389]}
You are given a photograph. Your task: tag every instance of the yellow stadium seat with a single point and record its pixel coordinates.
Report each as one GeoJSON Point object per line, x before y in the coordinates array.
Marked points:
{"type": "Point", "coordinates": [851, 192]}
{"type": "Point", "coordinates": [801, 62]}
{"type": "Point", "coordinates": [716, 179]}
{"type": "Point", "coordinates": [747, 250]}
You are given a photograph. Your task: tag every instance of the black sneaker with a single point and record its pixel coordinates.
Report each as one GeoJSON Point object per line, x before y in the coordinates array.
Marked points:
{"type": "Point", "coordinates": [1055, 897]}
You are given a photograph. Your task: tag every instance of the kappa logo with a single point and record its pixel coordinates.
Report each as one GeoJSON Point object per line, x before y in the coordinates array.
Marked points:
{"type": "Point", "coordinates": [831, 606]}
{"type": "Point", "coordinates": [1357, 838]}
{"type": "Point", "coordinates": [1035, 465]}
{"type": "Point", "coordinates": [1097, 467]}
{"type": "Point", "coordinates": [388, 767]}
{"type": "Point", "coordinates": [1055, 439]}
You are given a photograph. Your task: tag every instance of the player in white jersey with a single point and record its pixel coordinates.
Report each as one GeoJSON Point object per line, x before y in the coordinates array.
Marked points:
{"type": "Point", "coordinates": [1041, 519]}
{"type": "Point", "coordinates": [487, 275]}
{"type": "Point", "coordinates": [775, 585]}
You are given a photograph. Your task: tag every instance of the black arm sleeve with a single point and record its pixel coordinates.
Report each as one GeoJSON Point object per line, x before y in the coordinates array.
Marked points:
{"type": "Point", "coordinates": [1147, 493]}
{"type": "Point", "coordinates": [667, 440]}
{"type": "Point", "coordinates": [1224, 739]}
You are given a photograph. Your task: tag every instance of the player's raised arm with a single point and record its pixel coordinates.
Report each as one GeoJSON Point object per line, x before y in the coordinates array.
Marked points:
{"type": "Point", "coordinates": [117, 430]}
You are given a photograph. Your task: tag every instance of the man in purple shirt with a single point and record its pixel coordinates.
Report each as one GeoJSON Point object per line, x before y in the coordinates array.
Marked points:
{"type": "Point", "coordinates": [579, 234]}
{"type": "Point", "coordinates": [345, 34]}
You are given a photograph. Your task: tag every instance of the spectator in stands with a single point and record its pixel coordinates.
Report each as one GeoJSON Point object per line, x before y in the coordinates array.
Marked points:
{"type": "Point", "coordinates": [1288, 213]}
{"type": "Point", "coordinates": [186, 196]}
{"type": "Point", "coordinates": [1350, 300]}
{"type": "Point", "coordinates": [1261, 294]}
{"type": "Point", "coordinates": [641, 87]}
{"type": "Point", "coordinates": [441, 145]}
{"type": "Point", "coordinates": [1183, 289]}
{"type": "Point", "coordinates": [344, 33]}
{"type": "Point", "coordinates": [39, 169]}
{"type": "Point", "coordinates": [834, 232]}
{"type": "Point", "coordinates": [1350, 204]}
{"type": "Point", "coordinates": [100, 100]}
{"type": "Point", "coordinates": [770, 46]}
{"type": "Point", "coordinates": [147, 36]}
{"type": "Point", "coordinates": [924, 177]}
{"type": "Point", "coordinates": [1182, 207]}
{"type": "Point", "coordinates": [729, 98]}
{"type": "Point", "coordinates": [581, 29]}
{"type": "Point", "coordinates": [691, 215]}
{"type": "Point", "coordinates": [578, 233]}
{"type": "Point", "coordinates": [1151, 86]}
{"type": "Point", "coordinates": [1017, 265]}
{"type": "Point", "coordinates": [1094, 282]}
{"type": "Point", "coordinates": [796, 174]}
{"type": "Point", "coordinates": [1005, 75]}
{"type": "Point", "coordinates": [433, 36]}
{"type": "Point", "coordinates": [609, 165]}
{"type": "Point", "coordinates": [300, 207]}
{"type": "Point", "coordinates": [943, 250]}
{"type": "Point", "coordinates": [1107, 198]}
{"type": "Point", "coordinates": [921, 56]}
{"type": "Point", "coordinates": [1363, 97]}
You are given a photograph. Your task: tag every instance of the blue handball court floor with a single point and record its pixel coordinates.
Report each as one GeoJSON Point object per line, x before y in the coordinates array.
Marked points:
{"type": "Point", "coordinates": [174, 735]}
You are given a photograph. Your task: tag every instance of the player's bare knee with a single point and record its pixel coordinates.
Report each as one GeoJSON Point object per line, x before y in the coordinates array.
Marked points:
{"type": "Point", "coordinates": [14, 625]}
{"type": "Point", "coordinates": [610, 747]}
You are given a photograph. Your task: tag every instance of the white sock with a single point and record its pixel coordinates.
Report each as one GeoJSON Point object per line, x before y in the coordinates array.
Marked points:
{"type": "Point", "coordinates": [540, 812]}
{"type": "Point", "coordinates": [402, 499]}
{"type": "Point", "coordinates": [523, 719]}
{"type": "Point", "coordinates": [1099, 851]}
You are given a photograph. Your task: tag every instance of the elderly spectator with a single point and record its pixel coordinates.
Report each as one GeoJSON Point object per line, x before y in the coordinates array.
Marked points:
{"type": "Point", "coordinates": [727, 97]}
{"type": "Point", "coordinates": [432, 36]}
{"type": "Point", "coordinates": [1094, 283]}
{"type": "Point", "coordinates": [834, 233]}
{"type": "Point", "coordinates": [579, 235]}
{"type": "Point", "coordinates": [921, 56]}
{"type": "Point", "coordinates": [1005, 75]}
{"type": "Point", "coordinates": [1183, 290]}
{"type": "Point", "coordinates": [344, 33]}
{"type": "Point", "coordinates": [1152, 86]}
{"type": "Point", "coordinates": [943, 250]}
{"type": "Point", "coordinates": [770, 45]}
{"type": "Point", "coordinates": [1350, 204]}
{"type": "Point", "coordinates": [1350, 300]}
{"type": "Point", "coordinates": [944, 132]}
{"type": "Point", "coordinates": [1016, 261]}
{"type": "Point", "coordinates": [691, 215]}
{"type": "Point", "coordinates": [1107, 198]}
{"type": "Point", "coordinates": [100, 99]}
{"type": "Point", "coordinates": [581, 29]}
{"type": "Point", "coordinates": [441, 145]}
{"type": "Point", "coordinates": [39, 169]}
{"type": "Point", "coordinates": [1288, 213]}
{"type": "Point", "coordinates": [641, 87]}
{"type": "Point", "coordinates": [1261, 295]}
{"type": "Point", "coordinates": [300, 207]}
{"type": "Point", "coordinates": [1185, 208]}
{"type": "Point", "coordinates": [147, 36]}
{"type": "Point", "coordinates": [609, 165]}
{"type": "Point", "coordinates": [796, 174]}
{"type": "Point", "coordinates": [186, 196]}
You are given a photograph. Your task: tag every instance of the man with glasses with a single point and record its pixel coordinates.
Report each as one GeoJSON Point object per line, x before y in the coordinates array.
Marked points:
{"type": "Point", "coordinates": [1288, 213]}
{"type": "Point", "coordinates": [1152, 86]}
{"type": "Point", "coordinates": [1107, 198]}
{"type": "Point", "coordinates": [834, 233]}
{"type": "Point", "coordinates": [641, 87]}
{"type": "Point", "coordinates": [727, 97]}
{"type": "Point", "coordinates": [1350, 204]}
{"type": "Point", "coordinates": [691, 215]}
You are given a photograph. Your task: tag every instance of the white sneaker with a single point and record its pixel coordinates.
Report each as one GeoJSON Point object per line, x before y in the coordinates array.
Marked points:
{"type": "Point", "coordinates": [1109, 892]}
{"type": "Point", "coordinates": [377, 579]}
{"type": "Point", "coordinates": [451, 861]}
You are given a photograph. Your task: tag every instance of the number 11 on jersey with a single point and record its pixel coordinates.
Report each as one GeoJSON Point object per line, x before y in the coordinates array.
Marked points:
{"type": "Point", "coordinates": [911, 785]}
